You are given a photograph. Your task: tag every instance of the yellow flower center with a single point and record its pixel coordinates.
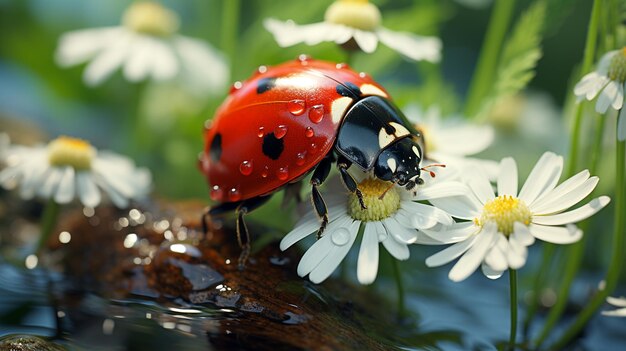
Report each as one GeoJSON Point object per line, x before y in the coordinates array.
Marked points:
{"type": "Point", "coordinates": [505, 210]}
{"type": "Point", "coordinates": [151, 18]}
{"type": "Point", "coordinates": [65, 151]}
{"type": "Point", "coordinates": [377, 208]}
{"type": "Point", "coordinates": [617, 67]}
{"type": "Point", "coordinates": [359, 14]}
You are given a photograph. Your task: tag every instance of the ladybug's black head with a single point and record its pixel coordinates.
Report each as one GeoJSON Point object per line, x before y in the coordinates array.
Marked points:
{"type": "Point", "coordinates": [400, 163]}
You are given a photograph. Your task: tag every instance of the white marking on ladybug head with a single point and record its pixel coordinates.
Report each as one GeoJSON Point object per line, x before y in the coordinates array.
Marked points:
{"type": "Point", "coordinates": [338, 108]}
{"type": "Point", "coordinates": [416, 151]}
{"type": "Point", "coordinates": [400, 130]}
{"type": "Point", "coordinates": [391, 162]}
{"type": "Point", "coordinates": [370, 89]}
{"type": "Point", "coordinates": [385, 138]}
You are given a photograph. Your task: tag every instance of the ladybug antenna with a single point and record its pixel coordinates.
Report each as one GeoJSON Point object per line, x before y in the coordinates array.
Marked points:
{"type": "Point", "coordinates": [432, 174]}
{"type": "Point", "coordinates": [386, 190]}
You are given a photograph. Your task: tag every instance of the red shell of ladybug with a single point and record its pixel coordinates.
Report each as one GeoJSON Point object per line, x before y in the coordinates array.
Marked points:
{"type": "Point", "coordinates": [276, 126]}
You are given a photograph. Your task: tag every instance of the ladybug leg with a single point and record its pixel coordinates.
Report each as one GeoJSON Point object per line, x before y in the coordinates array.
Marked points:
{"type": "Point", "coordinates": [319, 176]}
{"type": "Point", "coordinates": [348, 180]}
{"type": "Point", "coordinates": [243, 235]}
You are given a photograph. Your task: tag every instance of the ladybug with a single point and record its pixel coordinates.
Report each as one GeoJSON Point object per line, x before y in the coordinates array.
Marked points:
{"type": "Point", "coordinates": [300, 117]}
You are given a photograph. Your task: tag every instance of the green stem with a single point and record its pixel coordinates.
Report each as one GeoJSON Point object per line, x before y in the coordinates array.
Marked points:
{"type": "Point", "coordinates": [397, 274]}
{"type": "Point", "coordinates": [615, 264]}
{"type": "Point", "coordinates": [513, 303]}
{"type": "Point", "coordinates": [48, 221]}
{"type": "Point", "coordinates": [230, 26]}
{"type": "Point", "coordinates": [488, 59]}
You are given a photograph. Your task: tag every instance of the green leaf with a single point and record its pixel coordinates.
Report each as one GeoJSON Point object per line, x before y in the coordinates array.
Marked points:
{"type": "Point", "coordinates": [521, 52]}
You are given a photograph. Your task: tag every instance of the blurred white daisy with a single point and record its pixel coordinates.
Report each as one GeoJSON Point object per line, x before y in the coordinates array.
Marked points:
{"type": "Point", "coordinates": [393, 221]}
{"type": "Point", "coordinates": [68, 168]}
{"type": "Point", "coordinates": [607, 83]}
{"type": "Point", "coordinates": [355, 22]}
{"type": "Point", "coordinates": [617, 302]}
{"type": "Point", "coordinates": [498, 229]}
{"type": "Point", "coordinates": [4, 145]}
{"type": "Point", "coordinates": [452, 140]}
{"type": "Point", "coordinates": [145, 46]}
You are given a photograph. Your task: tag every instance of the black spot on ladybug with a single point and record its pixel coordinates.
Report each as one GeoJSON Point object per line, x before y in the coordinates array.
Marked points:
{"type": "Point", "coordinates": [216, 148]}
{"type": "Point", "coordinates": [265, 84]}
{"type": "Point", "coordinates": [348, 89]}
{"type": "Point", "coordinates": [272, 146]}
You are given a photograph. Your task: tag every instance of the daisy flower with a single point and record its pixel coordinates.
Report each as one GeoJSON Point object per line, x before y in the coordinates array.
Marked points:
{"type": "Point", "coordinates": [4, 145]}
{"type": "Point", "coordinates": [67, 168]}
{"type": "Point", "coordinates": [145, 46]}
{"type": "Point", "coordinates": [617, 302]}
{"type": "Point", "coordinates": [393, 221]}
{"type": "Point", "coordinates": [607, 83]}
{"type": "Point", "coordinates": [355, 24]}
{"type": "Point", "coordinates": [450, 141]}
{"type": "Point", "coordinates": [498, 229]}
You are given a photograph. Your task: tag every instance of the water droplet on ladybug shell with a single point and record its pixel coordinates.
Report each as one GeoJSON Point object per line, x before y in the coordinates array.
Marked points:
{"type": "Point", "coordinates": [303, 58]}
{"type": "Point", "coordinates": [301, 158]}
{"type": "Point", "coordinates": [362, 74]}
{"type": "Point", "coordinates": [234, 195]}
{"type": "Point", "coordinates": [236, 86]}
{"type": "Point", "coordinates": [216, 193]}
{"type": "Point", "coordinates": [245, 168]}
{"type": "Point", "coordinates": [341, 65]}
{"type": "Point", "coordinates": [280, 131]}
{"type": "Point", "coordinates": [296, 107]}
{"type": "Point", "coordinates": [282, 173]}
{"type": "Point", "coordinates": [313, 148]}
{"type": "Point", "coordinates": [308, 132]}
{"type": "Point", "coordinates": [262, 69]}
{"type": "Point", "coordinates": [261, 132]}
{"type": "Point", "coordinates": [265, 172]}
{"type": "Point", "coordinates": [316, 113]}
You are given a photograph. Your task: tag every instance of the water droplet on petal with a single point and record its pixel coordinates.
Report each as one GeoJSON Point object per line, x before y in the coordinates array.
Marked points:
{"type": "Point", "coordinates": [216, 193]}
{"type": "Point", "coordinates": [282, 173]}
{"type": "Point", "coordinates": [300, 158]}
{"type": "Point", "coordinates": [236, 86]}
{"type": "Point", "coordinates": [340, 236]}
{"type": "Point", "coordinates": [261, 132]}
{"type": "Point", "coordinates": [234, 194]}
{"type": "Point", "coordinates": [296, 107]}
{"type": "Point", "coordinates": [265, 172]}
{"type": "Point", "coordinates": [316, 113]}
{"type": "Point", "coordinates": [245, 168]}
{"type": "Point", "coordinates": [382, 236]}
{"type": "Point", "coordinates": [280, 131]}
{"type": "Point", "coordinates": [308, 132]}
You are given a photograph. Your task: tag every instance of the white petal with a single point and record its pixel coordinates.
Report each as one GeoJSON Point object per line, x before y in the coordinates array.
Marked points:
{"type": "Point", "coordinates": [67, 186]}
{"type": "Point", "coordinates": [463, 207]}
{"type": "Point", "coordinates": [615, 313]}
{"type": "Point", "coordinates": [399, 232]}
{"type": "Point", "coordinates": [481, 188]}
{"type": "Point", "coordinates": [618, 302]}
{"type": "Point", "coordinates": [472, 259]}
{"type": "Point", "coordinates": [425, 212]}
{"type": "Point", "coordinates": [490, 272]}
{"type": "Point", "coordinates": [34, 178]}
{"type": "Point", "coordinates": [410, 45]}
{"type": "Point", "coordinates": [451, 252]}
{"type": "Point", "coordinates": [80, 46]}
{"type": "Point", "coordinates": [576, 215]}
{"type": "Point", "coordinates": [334, 258]}
{"type": "Point", "coordinates": [496, 259]}
{"type": "Point", "coordinates": [567, 200]}
{"type": "Point", "coordinates": [619, 97]}
{"type": "Point", "coordinates": [116, 197]}
{"type": "Point", "coordinates": [87, 190]}
{"type": "Point", "coordinates": [556, 235]}
{"type": "Point", "coordinates": [111, 57]}
{"type": "Point", "coordinates": [441, 189]}
{"type": "Point", "coordinates": [454, 233]}
{"type": "Point", "coordinates": [367, 41]}
{"type": "Point", "coordinates": [607, 97]}
{"type": "Point", "coordinates": [542, 178]}
{"type": "Point", "coordinates": [522, 234]}
{"type": "Point", "coordinates": [164, 62]}
{"type": "Point", "coordinates": [288, 33]}
{"type": "Point", "coordinates": [585, 84]}
{"type": "Point", "coordinates": [398, 250]}
{"type": "Point", "coordinates": [139, 61]}
{"type": "Point", "coordinates": [51, 183]}
{"type": "Point", "coordinates": [367, 265]}
{"type": "Point", "coordinates": [314, 255]}
{"type": "Point", "coordinates": [568, 185]}
{"type": "Point", "coordinates": [516, 254]}
{"type": "Point", "coordinates": [204, 67]}
{"type": "Point", "coordinates": [597, 86]}
{"type": "Point", "coordinates": [458, 137]}
{"type": "Point", "coordinates": [507, 179]}
{"type": "Point", "coordinates": [621, 125]}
